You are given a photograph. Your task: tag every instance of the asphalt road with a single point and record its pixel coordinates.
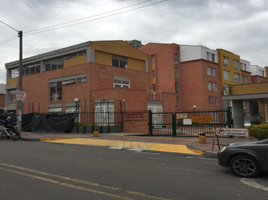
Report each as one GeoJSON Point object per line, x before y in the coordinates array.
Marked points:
{"type": "Point", "coordinates": [35, 170]}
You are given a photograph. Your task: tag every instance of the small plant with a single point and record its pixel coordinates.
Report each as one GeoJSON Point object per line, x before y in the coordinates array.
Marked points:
{"type": "Point", "coordinates": [259, 132]}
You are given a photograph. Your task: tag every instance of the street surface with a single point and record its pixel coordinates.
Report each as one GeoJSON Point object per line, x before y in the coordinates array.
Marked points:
{"type": "Point", "coordinates": [38, 170]}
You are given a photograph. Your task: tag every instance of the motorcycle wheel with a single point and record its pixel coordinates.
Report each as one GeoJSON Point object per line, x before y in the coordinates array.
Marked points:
{"type": "Point", "coordinates": [14, 135]}
{"type": "Point", "coordinates": [2, 135]}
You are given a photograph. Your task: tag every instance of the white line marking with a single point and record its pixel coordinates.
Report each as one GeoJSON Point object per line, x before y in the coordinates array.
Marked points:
{"type": "Point", "coordinates": [119, 147]}
{"type": "Point", "coordinates": [201, 158]}
{"type": "Point", "coordinates": [252, 183]}
{"type": "Point", "coordinates": [139, 149]}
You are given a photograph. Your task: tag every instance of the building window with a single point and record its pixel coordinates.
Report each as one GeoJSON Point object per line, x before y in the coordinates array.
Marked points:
{"type": "Point", "coordinates": [14, 73]}
{"type": "Point", "coordinates": [119, 61]}
{"type": "Point", "coordinates": [237, 77]}
{"type": "Point", "coordinates": [209, 85]}
{"type": "Point", "coordinates": [12, 98]}
{"type": "Point", "coordinates": [266, 109]}
{"type": "Point", "coordinates": [81, 53]}
{"type": "Point", "coordinates": [212, 57]}
{"type": "Point", "coordinates": [211, 71]}
{"type": "Point", "coordinates": [154, 87]}
{"type": "Point", "coordinates": [236, 64]}
{"type": "Point", "coordinates": [208, 55]}
{"type": "Point", "coordinates": [212, 86]}
{"type": "Point", "coordinates": [213, 101]}
{"type": "Point", "coordinates": [32, 69]}
{"type": "Point", "coordinates": [56, 63]}
{"type": "Point", "coordinates": [225, 89]}
{"type": "Point", "coordinates": [73, 55]}
{"type": "Point", "coordinates": [176, 58]}
{"type": "Point", "coordinates": [225, 61]}
{"type": "Point", "coordinates": [153, 59]}
{"type": "Point", "coordinates": [55, 91]}
{"type": "Point", "coordinates": [261, 72]}
{"type": "Point", "coordinates": [176, 73]}
{"type": "Point", "coordinates": [244, 79]}
{"type": "Point", "coordinates": [177, 102]}
{"type": "Point", "coordinates": [215, 116]}
{"type": "Point", "coordinates": [68, 82]}
{"type": "Point", "coordinates": [226, 75]}
{"type": "Point", "coordinates": [82, 80]}
{"type": "Point", "coordinates": [153, 74]}
{"type": "Point", "coordinates": [177, 87]}
{"type": "Point", "coordinates": [121, 82]}
{"type": "Point", "coordinates": [243, 66]}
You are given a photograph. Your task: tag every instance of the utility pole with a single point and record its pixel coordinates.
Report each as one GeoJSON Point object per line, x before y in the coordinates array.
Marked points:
{"type": "Point", "coordinates": [19, 110]}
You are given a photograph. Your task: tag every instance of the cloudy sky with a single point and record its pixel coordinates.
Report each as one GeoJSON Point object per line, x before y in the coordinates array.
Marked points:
{"type": "Point", "coordinates": [239, 26]}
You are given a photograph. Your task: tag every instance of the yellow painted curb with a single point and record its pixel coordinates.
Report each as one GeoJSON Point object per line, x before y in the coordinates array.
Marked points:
{"type": "Point", "coordinates": [196, 151]}
{"type": "Point", "coordinates": [51, 139]}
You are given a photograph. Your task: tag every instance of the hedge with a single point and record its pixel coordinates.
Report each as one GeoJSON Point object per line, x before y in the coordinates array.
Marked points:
{"type": "Point", "coordinates": [259, 132]}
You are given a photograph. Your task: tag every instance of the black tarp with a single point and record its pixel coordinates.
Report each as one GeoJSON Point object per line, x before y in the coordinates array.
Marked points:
{"type": "Point", "coordinates": [46, 123]}
{"type": "Point", "coordinates": [26, 119]}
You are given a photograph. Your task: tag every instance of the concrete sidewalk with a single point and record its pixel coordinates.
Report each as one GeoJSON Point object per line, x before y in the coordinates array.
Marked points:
{"type": "Point", "coordinates": [130, 139]}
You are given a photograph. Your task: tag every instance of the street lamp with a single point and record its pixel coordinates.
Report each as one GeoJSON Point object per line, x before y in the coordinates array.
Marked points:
{"type": "Point", "coordinates": [76, 100]}
{"type": "Point", "coordinates": [194, 107]}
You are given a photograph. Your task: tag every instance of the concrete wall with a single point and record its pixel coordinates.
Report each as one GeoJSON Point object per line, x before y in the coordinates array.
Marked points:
{"type": "Point", "coordinates": [189, 52]}
{"type": "Point", "coordinates": [255, 69]}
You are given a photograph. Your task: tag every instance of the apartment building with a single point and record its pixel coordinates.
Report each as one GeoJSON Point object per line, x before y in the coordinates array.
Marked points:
{"type": "Point", "coordinates": [164, 66]}
{"type": "Point", "coordinates": [258, 74]}
{"type": "Point", "coordinates": [200, 78]}
{"type": "Point", "coordinates": [103, 75]}
{"type": "Point", "coordinates": [2, 95]}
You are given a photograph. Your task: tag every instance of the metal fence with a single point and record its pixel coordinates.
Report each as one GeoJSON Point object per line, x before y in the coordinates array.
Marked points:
{"type": "Point", "coordinates": [188, 123]}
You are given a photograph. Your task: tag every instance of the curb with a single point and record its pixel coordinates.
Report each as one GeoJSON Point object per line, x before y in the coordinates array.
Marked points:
{"type": "Point", "coordinates": [204, 153]}
{"type": "Point", "coordinates": [29, 139]}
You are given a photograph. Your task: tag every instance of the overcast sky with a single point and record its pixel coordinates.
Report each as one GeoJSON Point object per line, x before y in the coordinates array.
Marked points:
{"type": "Point", "coordinates": [239, 26]}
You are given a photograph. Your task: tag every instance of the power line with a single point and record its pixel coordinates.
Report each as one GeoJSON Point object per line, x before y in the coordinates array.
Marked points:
{"type": "Point", "coordinates": [8, 40]}
{"type": "Point", "coordinates": [87, 17]}
{"type": "Point", "coordinates": [97, 18]}
{"type": "Point", "coordinates": [9, 26]}
{"type": "Point", "coordinates": [14, 36]}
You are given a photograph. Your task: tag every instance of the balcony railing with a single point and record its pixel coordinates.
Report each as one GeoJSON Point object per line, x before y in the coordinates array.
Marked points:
{"type": "Point", "coordinates": [154, 95]}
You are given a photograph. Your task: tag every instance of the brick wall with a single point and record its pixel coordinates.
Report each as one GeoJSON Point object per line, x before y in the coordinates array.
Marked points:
{"type": "Point", "coordinates": [2, 100]}
{"type": "Point", "coordinates": [194, 85]}
{"type": "Point", "coordinates": [257, 79]}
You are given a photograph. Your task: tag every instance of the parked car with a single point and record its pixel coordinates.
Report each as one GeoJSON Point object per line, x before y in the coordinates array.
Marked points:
{"type": "Point", "coordinates": [246, 159]}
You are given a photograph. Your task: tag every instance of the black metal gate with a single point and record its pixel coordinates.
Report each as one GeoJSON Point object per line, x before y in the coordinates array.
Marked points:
{"type": "Point", "coordinates": [188, 123]}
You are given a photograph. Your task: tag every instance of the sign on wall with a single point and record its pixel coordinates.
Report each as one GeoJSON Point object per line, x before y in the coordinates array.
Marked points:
{"type": "Point", "coordinates": [242, 132]}
{"type": "Point", "coordinates": [21, 95]}
{"type": "Point", "coordinates": [202, 119]}
{"type": "Point", "coordinates": [181, 116]}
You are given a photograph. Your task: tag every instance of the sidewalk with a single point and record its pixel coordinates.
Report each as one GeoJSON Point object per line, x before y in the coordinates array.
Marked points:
{"type": "Point", "coordinates": [192, 143]}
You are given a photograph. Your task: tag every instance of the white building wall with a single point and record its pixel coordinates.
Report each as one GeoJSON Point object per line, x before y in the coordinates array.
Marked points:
{"type": "Point", "coordinates": [257, 70]}
{"type": "Point", "coordinates": [189, 52]}
{"type": "Point", "coordinates": [245, 65]}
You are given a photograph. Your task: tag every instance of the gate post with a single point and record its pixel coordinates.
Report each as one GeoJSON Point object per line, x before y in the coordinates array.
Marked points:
{"type": "Point", "coordinates": [229, 123]}
{"type": "Point", "coordinates": [174, 125]}
{"type": "Point", "coordinates": [108, 123]}
{"type": "Point", "coordinates": [150, 123]}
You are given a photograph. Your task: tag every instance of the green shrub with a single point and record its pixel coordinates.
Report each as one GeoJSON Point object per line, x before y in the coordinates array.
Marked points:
{"type": "Point", "coordinates": [258, 131]}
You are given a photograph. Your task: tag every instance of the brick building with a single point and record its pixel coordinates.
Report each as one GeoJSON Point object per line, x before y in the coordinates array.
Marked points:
{"type": "Point", "coordinates": [110, 73]}
{"type": "Point", "coordinates": [2, 95]}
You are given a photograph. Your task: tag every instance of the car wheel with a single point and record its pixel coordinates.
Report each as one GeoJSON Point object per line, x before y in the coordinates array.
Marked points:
{"type": "Point", "coordinates": [245, 166]}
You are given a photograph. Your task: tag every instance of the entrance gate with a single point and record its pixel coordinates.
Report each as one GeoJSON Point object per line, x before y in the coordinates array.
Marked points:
{"type": "Point", "coordinates": [188, 123]}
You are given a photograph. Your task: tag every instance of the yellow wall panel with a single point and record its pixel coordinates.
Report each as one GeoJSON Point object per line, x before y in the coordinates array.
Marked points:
{"type": "Point", "coordinates": [12, 106]}
{"type": "Point", "coordinates": [135, 64]}
{"type": "Point", "coordinates": [103, 58]}
{"type": "Point", "coordinates": [153, 67]}
{"type": "Point", "coordinates": [153, 81]}
{"type": "Point", "coordinates": [262, 111]}
{"type": "Point", "coordinates": [11, 81]}
{"type": "Point", "coordinates": [249, 88]}
{"type": "Point", "coordinates": [230, 67]}
{"type": "Point", "coordinates": [75, 61]}
{"type": "Point", "coordinates": [119, 47]}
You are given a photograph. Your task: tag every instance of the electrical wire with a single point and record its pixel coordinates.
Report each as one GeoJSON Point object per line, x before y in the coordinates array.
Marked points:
{"type": "Point", "coordinates": [8, 40]}
{"type": "Point", "coordinates": [96, 18]}
{"type": "Point", "coordinates": [87, 17]}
